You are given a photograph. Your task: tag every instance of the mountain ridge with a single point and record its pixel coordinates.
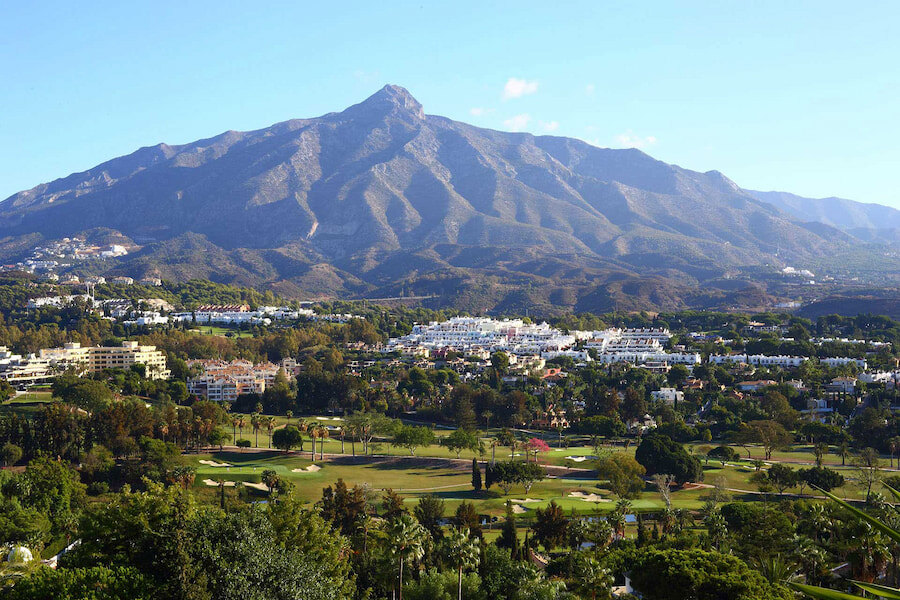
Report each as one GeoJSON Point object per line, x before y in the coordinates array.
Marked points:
{"type": "Point", "coordinates": [345, 203]}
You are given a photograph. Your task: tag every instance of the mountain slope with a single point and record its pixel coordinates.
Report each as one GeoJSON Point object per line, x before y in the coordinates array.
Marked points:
{"type": "Point", "coordinates": [866, 221]}
{"type": "Point", "coordinates": [381, 195]}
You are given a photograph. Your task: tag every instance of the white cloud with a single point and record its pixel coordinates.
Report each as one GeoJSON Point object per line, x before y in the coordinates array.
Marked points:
{"type": "Point", "coordinates": [548, 127]}
{"type": "Point", "coordinates": [516, 88]}
{"type": "Point", "coordinates": [631, 140]}
{"type": "Point", "coordinates": [589, 89]}
{"type": "Point", "coordinates": [477, 111]}
{"type": "Point", "coordinates": [518, 122]}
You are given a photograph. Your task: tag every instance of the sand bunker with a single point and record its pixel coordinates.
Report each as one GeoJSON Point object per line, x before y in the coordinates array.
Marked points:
{"type": "Point", "coordinates": [588, 497]}
{"type": "Point", "coordinates": [309, 469]}
{"type": "Point", "coordinates": [518, 509]}
{"type": "Point", "coordinates": [213, 463]}
{"type": "Point", "coordinates": [523, 500]}
{"type": "Point", "coordinates": [581, 458]}
{"type": "Point", "coordinates": [214, 483]}
{"type": "Point", "coordinates": [256, 486]}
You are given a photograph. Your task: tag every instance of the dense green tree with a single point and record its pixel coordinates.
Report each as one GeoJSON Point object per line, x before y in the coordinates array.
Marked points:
{"type": "Point", "coordinates": [660, 454]}
{"type": "Point", "coordinates": [412, 437]}
{"type": "Point", "coordinates": [429, 512]}
{"type": "Point", "coordinates": [699, 575]}
{"type": "Point", "coordinates": [625, 474]}
{"type": "Point", "coordinates": [550, 526]}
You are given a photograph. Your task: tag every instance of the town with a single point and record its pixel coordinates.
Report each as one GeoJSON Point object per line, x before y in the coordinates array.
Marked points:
{"type": "Point", "coordinates": [628, 428]}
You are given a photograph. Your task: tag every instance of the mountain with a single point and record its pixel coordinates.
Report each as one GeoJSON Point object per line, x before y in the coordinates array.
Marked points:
{"type": "Point", "coordinates": [382, 200]}
{"type": "Point", "coordinates": [866, 221]}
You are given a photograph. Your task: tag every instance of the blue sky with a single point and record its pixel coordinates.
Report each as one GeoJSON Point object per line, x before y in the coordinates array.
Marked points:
{"type": "Point", "coordinates": [794, 96]}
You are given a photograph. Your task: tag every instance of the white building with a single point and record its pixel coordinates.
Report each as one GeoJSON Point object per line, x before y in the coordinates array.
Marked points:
{"type": "Point", "coordinates": [668, 395]}
{"type": "Point", "coordinates": [840, 361]}
{"type": "Point", "coordinates": [758, 359]}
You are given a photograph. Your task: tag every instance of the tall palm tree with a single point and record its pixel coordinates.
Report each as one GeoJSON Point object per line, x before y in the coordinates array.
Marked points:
{"type": "Point", "coordinates": [270, 428]}
{"type": "Point", "coordinates": [463, 553]}
{"type": "Point", "coordinates": [894, 446]}
{"type": "Point", "coordinates": [241, 423]}
{"type": "Point", "coordinates": [323, 433]}
{"type": "Point", "coordinates": [407, 539]}
{"type": "Point", "coordinates": [313, 429]}
{"type": "Point", "coordinates": [256, 424]}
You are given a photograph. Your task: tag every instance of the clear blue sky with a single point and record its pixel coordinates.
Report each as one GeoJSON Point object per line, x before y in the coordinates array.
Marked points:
{"type": "Point", "coordinates": [795, 96]}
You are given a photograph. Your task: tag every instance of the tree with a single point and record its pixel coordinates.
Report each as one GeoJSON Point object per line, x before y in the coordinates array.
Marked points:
{"type": "Point", "coordinates": [343, 507]}
{"type": "Point", "coordinates": [96, 583]}
{"type": "Point", "coordinates": [820, 450]}
{"type": "Point", "coordinates": [467, 518]}
{"type": "Point", "coordinates": [696, 574]}
{"type": "Point", "coordinates": [769, 434]}
{"type": "Point", "coordinates": [406, 539]}
{"type": "Point", "coordinates": [509, 537]}
{"type": "Point", "coordinates": [270, 478]}
{"type": "Point", "coordinates": [256, 424]}
{"type": "Point", "coordinates": [429, 512]}
{"type": "Point", "coordinates": [866, 463]}
{"type": "Point", "coordinates": [367, 425]}
{"type": "Point", "coordinates": [534, 446]}
{"type": "Point", "coordinates": [723, 454]}
{"type": "Point", "coordinates": [822, 478]}
{"type": "Point", "coordinates": [217, 437]}
{"type": "Point", "coordinates": [663, 483]}
{"type": "Point", "coordinates": [509, 473]}
{"type": "Point", "coordinates": [412, 437]}
{"type": "Point", "coordinates": [10, 454]}
{"type": "Point", "coordinates": [550, 526]}
{"type": "Point", "coordinates": [782, 477]}
{"type": "Point", "coordinates": [476, 476]}
{"type": "Point", "coordinates": [287, 438]}
{"type": "Point", "coordinates": [625, 475]}
{"type": "Point", "coordinates": [500, 362]}
{"type": "Point", "coordinates": [242, 443]}
{"type": "Point", "coordinates": [660, 454]}
{"type": "Point", "coordinates": [461, 440]}
{"type": "Point", "coordinates": [462, 551]}
{"type": "Point", "coordinates": [591, 578]}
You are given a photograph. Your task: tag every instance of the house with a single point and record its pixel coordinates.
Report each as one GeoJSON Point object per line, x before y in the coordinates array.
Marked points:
{"type": "Point", "coordinates": [641, 425]}
{"type": "Point", "coordinates": [755, 386]}
{"type": "Point", "coordinates": [122, 280]}
{"type": "Point", "coordinates": [668, 395]}
{"type": "Point", "coordinates": [843, 385]}
{"type": "Point", "coordinates": [841, 361]}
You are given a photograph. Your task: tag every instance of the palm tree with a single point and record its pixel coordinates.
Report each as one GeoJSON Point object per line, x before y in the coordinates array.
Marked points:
{"type": "Point", "coordinates": [592, 578]}
{"type": "Point", "coordinates": [894, 446]}
{"type": "Point", "coordinates": [844, 452]}
{"type": "Point", "coordinates": [323, 433]}
{"type": "Point", "coordinates": [241, 423]}
{"type": "Point", "coordinates": [463, 552]}
{"type": "Point", "coordinates": [256, 424]}
{"type": "Point", "coordinates": [869, 546]}
{"type": "Point", "coordinates": [290, 415]}
{"type": "Point", "coordinates": [270, 427]}
{"type": "Point", "coordinates": [407, 538]}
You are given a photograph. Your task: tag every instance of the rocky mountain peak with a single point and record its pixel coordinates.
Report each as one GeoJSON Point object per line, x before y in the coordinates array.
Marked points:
{"type": "Point", "coordinates": [389, 99]}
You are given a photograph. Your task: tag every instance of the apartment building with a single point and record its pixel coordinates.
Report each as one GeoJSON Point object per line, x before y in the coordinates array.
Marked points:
{"type": "Point", "coordinates": [51, 361]}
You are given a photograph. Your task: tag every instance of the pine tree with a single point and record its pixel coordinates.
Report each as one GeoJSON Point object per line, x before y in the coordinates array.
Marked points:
{"type": "Point", "coordinates": [488, 476]}
{"type": "Point", "coordinates": [509, 537]}
{"type": "Point", "coordinates": [476, 475]}
{"type": "Point", "coordinates": [641, 531]}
